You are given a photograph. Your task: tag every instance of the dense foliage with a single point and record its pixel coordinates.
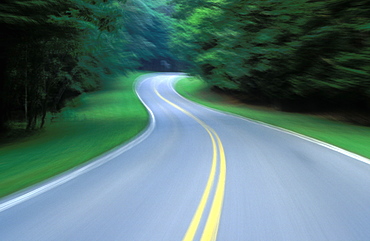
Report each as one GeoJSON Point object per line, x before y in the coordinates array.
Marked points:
{"type": "Point", "coordinates": [52, 50]}
{"type": "Point", "coordinates": [299, 54]}
{"type": "Point", "coordinates": [302, 54]}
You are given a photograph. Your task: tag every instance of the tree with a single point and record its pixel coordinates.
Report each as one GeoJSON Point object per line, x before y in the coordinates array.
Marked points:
{"type": "Point", "coordinates": [53, 49]}
{"type": "Point", "coordinates": [314, 53]}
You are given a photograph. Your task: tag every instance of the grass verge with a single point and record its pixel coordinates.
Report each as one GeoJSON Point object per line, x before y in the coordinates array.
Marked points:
{"type": "Point", "coordinates": [90, 125]}
{"type": "Point", "coordinates": [349, 137]}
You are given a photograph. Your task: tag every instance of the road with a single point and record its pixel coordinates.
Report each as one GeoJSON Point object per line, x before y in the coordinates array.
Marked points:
{"type": "Point", "coordinates": [198, 174]}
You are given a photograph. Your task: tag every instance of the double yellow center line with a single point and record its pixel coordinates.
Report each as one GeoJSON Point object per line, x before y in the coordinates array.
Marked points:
{"type": "Point", "coordinates": [211, 227]}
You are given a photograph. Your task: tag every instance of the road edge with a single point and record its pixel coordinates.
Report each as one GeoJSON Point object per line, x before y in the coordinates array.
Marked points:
{"type": "Point", "coordinates": [40, 188]}
{"type": "Point", "coordinates": [281, 129]}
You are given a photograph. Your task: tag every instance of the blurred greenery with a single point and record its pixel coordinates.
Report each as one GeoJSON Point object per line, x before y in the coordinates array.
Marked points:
{"type": "Point", "coordinates": [54, 50]}
{"type": "Point", "coordinates": [292, 54]}
{"type": "Point", "coordinates": [349, 137]}
{"type": "Point", "coordinates": [90, 125]}
{"type": "Point", "coordinates": [63, 100]}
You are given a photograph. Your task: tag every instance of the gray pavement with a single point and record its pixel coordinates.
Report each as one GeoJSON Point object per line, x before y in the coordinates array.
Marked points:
{"type": "Point", "coordinates": [278, 186]}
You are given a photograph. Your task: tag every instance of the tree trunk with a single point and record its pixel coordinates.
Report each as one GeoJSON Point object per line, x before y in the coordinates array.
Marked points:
{"type": "Point", "coordinates": [59, 97]}
{"type": "Point", "coordinates": [32, 118]}
{"type": "Point", "coordinates": [29, 123]}
{"type": "Point", "coordinates": [43, 118]}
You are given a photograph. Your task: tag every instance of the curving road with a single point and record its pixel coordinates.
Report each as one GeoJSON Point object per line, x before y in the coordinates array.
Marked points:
{"type": "Point", "coordinates": [198, 174]}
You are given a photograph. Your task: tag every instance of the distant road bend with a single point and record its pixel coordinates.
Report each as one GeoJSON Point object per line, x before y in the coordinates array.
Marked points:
{"type": "Point", "coordinates": [198, 174]}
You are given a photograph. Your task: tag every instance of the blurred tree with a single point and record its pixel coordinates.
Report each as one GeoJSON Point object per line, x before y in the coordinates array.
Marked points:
{"type": "Point", "coordinates": [149, 25]}
{"type": "Point", "coordinates": [54, 49]}
{"type": "Point", "coordinates": [23, 24]}
{"type": "Point", "coordinates": [297, 53]}
{"type": "Point", "coordinates": [294, 54]}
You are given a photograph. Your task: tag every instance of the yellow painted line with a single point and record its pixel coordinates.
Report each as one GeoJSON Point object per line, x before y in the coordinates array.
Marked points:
{"type": "Point", "coordinates": [190, 233]}
{"type": "Point", "coordinates": [213, 220]}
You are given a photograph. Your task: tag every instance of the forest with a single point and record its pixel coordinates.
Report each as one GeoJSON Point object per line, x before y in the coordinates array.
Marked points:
{"type": "Point", "coordinates": [295, 55]}
{"type": "Point", "coordinates": [53, 50]}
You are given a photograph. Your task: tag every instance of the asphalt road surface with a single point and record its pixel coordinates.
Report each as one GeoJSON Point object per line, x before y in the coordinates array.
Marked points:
{"type": "Point", "coordinates": [198, 174]}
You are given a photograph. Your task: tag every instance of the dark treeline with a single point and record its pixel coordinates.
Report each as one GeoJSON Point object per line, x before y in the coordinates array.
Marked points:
{"type": "Point", "coordinates": [293, 54]}
{"type": "Point", "coordinates": [52, 50]}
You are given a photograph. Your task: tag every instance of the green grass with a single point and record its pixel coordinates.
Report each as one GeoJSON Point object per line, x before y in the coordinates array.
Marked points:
{"type": "Point", "coordinates": [349, 137]}
{"type": "Point", "coordinates": [89, 126]}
